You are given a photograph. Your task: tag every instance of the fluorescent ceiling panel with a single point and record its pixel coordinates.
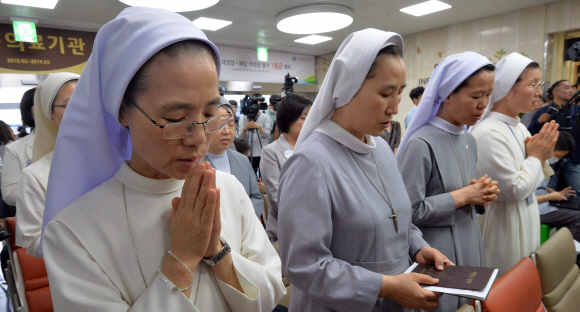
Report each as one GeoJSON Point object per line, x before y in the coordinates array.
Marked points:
{"type": "Point", "coordinates": [210, 23]}
{"type": "Point", "coordinates": [425, 8]}
{"type": "Point", "coordinates": [173, 5]}
{"type": "Point", "coordinates": [314, 19]}
{"type": "Point", "coordinates": [44, 4]}
{"type": "Point", "coordinates": [313, 39]}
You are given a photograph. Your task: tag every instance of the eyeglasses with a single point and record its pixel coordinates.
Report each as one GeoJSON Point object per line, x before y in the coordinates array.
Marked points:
{"type": "Point", "coordinates": [538, 86]}
{"type": "Point", "coordinates": [181, 129]}
{"type": "Point", "coordinates": [231, 127]}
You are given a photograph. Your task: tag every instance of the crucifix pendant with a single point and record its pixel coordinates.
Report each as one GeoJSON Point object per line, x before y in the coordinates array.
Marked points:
{"type": "Point", "coordinates": [394, 217]}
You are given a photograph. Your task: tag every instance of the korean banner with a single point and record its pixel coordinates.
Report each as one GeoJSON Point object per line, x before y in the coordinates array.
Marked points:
{"type": "Point", "coordinates": [56, 50]}
{"type": "Point", "coordinates": [243, 65]}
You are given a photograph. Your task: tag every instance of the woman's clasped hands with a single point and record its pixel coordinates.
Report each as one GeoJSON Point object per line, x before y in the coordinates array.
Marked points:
{"type": "Point", "coordinates": [480, 192]}
{"type": "Point", "coordinates": [194, 224]}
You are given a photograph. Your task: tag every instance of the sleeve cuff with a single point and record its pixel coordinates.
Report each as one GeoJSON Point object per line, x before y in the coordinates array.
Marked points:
{"type": "Point", "coordinates": [246, 301]}
{"type": "Point", "coordinates": [548, 171]}
{"type": "Point", "coordinates": [416, 242]}
{"type": "Point", "coordinates": [369, 291]}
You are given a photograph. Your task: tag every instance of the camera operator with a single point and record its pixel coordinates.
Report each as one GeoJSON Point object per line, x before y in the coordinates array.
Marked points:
{"type": "Point", "coordinates": [271, 112]}
{"type": "Point", "coordinates": [234, 106]}
{"type": "Point", "coordinates": [259, 138]}
{"type": "Point", "coordinates": [565, 115]}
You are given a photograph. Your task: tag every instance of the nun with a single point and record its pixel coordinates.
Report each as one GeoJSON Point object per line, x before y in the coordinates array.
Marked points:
{"type": "Point", "coordinates": [123, 231]}
{"type": "Point", "coordinates": [511, 225]}
{"type": "Point", "coordinates": [344, 223]}
{"type": "Point", "coordinates": [438, 160]}
{"type": "Point", "coordinates": [50, 102]}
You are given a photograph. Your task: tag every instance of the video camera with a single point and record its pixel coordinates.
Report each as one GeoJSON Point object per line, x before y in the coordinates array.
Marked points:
{"type": "Point", "coordinates": [552, 109]}
{"type": "Point", "coordinates": [251, 107]}
{"type": "Point", "coordinates": [275, 101]}
{"type": "Point", "coordinates": [289, 82]}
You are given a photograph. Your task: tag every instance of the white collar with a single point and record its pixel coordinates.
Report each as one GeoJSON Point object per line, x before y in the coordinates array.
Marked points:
{"type": "Point", "coordinates": [505, 118]}
{"type": "Point", "coordinates": [340, 135]}
{"type": "Point", "coordinates": [446, 125]}
{"type": "Point", "coordinates": [134, 180]}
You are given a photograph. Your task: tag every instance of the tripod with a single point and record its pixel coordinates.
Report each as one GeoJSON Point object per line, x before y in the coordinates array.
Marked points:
{"type": "Point", "coordinates": [251, 133]}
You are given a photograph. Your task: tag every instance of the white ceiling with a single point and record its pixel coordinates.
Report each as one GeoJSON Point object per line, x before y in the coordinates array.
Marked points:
{"type": "Point", "coordinates": [254, 20]}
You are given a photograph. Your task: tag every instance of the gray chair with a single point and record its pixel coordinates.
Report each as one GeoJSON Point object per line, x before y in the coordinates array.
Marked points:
{"type": "Point", "coordinates": [559, 274]}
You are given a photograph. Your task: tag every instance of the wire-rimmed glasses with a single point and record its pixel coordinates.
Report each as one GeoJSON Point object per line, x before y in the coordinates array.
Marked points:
{"type": "Point", "coordinates": [180, 129]}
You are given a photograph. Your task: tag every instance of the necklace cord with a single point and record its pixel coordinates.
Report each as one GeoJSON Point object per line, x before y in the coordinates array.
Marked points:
{"type": "Point", "coordinates": [132, 238]}
{"type": "Point", "coordinates": [160, 274]}
{"type": "Point", "coordinates": [388, 198]}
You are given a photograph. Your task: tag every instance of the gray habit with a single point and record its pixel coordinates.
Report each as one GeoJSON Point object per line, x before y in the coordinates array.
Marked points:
{"type": "Point", "coordinates": [336, 237]}
{"type": "Point", "coordinates": [271, 163]}
{"type": "Point", "coordinates": [430, 171]}
{"type": "Point", "coordinates": [242, 169]}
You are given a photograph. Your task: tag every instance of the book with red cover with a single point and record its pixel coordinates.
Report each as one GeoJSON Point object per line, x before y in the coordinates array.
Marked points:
{"type": "Point", "coordinates": [468, 282]}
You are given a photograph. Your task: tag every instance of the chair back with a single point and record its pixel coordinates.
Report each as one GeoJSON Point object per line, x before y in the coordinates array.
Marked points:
{"type": "Point", "coordinates": [11, 228]}
{"type": "Point", "coordinates": [35, 280]}
{"type": "Point", "coordinates": [559, 274]}
{"type": "Point", "coordinates": [517, 290]}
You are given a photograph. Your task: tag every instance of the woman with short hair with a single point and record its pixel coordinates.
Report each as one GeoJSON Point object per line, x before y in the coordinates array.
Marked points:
{"type": "Point", "coordinates": [290, 118]}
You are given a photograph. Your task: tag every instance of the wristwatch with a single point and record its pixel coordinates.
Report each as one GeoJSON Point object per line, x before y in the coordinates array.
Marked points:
{"type": "Point", "coordinates": [220, 255]}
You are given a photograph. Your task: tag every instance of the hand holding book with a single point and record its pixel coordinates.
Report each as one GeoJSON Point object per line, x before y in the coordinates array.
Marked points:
{"type": "Point", "coordinates": [405, 290]}
{"type": "Point", "coordinates": [463, 281]}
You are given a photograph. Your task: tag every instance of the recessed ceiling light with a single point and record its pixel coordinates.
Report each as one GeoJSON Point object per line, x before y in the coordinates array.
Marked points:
{"type": "Point", "coordinates": [44, 4]}
{"type": "Point", "coordinates": [173, 5]}
{"type": "Point", "coordinates": [210, 23]}
{"type": "Point", "coordinates": [314, 19]}
{"type": "Point", "coordinates": [425, 8]}
{"type": "Point", "coordinates": [313, 39]}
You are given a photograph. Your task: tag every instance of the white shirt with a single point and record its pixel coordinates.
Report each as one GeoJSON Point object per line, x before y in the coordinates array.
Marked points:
{"type": "Point", "coordinates": [17, 156]}
{"type": "Point", "coordinates": [511, 225]}
{"type": "Point", "coordinates": [221, 162]}
{"type": "Point", "coordinates": [30, 203]}
{"type": "Point", "coordinates": [92, 266]}
{"type": "Point", "coordinates": [257, 140]}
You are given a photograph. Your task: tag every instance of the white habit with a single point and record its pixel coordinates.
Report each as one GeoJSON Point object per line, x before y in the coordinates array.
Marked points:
{"type": "Point", "coordinates": [511, 225]}
{"type": "Point", "coordinates": [17, 156]}
{"type": "Point", "coordinates": [92, 266]}
{"type": "Point", "coordinates": [31, 199]}
{"type": "Point", "coordinates": [34, 179]}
